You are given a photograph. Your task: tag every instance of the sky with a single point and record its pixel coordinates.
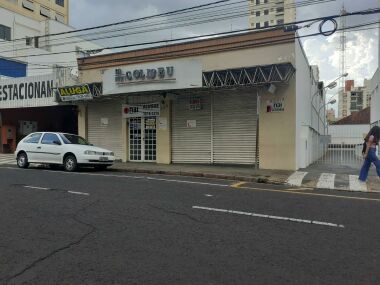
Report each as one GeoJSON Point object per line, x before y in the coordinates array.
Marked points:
{"type": "Point", "coordinates": [361, 51]}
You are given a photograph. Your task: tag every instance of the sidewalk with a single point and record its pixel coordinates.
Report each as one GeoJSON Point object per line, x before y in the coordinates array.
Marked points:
{"type": "Point", "coordinates": [239, 173]}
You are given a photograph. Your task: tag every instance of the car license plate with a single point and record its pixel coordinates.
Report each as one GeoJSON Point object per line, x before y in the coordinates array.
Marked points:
{"type": "Point", "coordinates": [103, 158]}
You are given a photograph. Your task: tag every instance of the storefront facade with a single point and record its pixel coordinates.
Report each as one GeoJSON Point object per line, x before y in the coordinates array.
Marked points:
{"type": "Point", "coordinates": [29, 104]}
{"type": "Point", "coordinates": [220, 101]}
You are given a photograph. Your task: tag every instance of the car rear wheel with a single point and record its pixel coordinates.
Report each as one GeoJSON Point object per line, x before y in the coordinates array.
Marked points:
{"type": "Point", "coordinates": [22, 160]}
{"type": "Point", "coordinates": [70, 164]}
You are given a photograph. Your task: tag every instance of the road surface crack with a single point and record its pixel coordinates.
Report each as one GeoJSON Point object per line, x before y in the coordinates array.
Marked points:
{"type": "Point", "coordinates": [177, 213]}
{"type": "Point", "coordinates": [91, 230]}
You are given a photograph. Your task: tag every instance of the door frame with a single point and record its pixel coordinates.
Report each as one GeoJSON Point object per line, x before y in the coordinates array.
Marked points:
{"type": "Point", "coordinates": [142, 139]}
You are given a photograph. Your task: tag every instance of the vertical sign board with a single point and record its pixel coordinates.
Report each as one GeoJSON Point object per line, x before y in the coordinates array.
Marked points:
{"type": "Point", "coordinates": [275, 106]}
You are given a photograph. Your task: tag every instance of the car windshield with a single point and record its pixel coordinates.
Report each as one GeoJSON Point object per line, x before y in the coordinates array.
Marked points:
{"type": "Point", "coordinates": [73, 139]}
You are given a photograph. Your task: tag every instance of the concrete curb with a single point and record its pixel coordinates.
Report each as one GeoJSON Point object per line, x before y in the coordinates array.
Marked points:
{"type": "Point", "coordinates": [258, 179]}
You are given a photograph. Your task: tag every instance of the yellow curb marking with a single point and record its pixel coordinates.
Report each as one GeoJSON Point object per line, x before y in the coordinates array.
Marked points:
{"type": "Point", "coordinates": [238, 184]}
{"type": "Point", "coordinates": [312, 194]}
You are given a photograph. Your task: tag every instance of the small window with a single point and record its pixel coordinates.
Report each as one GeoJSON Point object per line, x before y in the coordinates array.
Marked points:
{"type": "Point", "coordinates": [60, 18]}
{"type": "Point", "coordinates": [280, 22]}
{"type": "Point", "coordinates": [45, 11]}
{"type": "Point", "coordinates": [280, 9]}
{"type": "Point", "coordinates": [257, 13]}
{"type": "Point", "coordinates": [257, 25]}
{"type": "Point", "coordinates": [266, 24]}
{"type": "Point", "coordinates": [60, 2]}
{"type": "Point", "coordinates": [265, 1]}
{"type": "Point", "coordinates": [49, 138]}
{"type": "Point", "coordinates": [257, 2]}
{"type": "Point", "coordinates": [28, 41]}
{"type": "Point", "coordinates": [266, 12]}
{"type": "Point", "coordinates": [27, 4]}
{"type": "Point", "coordinates": [5, 33]}
{"type": "Point", "coordinates": [33, 138]}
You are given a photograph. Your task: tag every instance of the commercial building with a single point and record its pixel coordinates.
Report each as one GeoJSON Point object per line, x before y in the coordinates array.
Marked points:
{"type": "Point", "coordinates": [265, 13]}
{"type": "Point", "coordinates": [32, 66]}
{"type": "Point", "coordinates": [229, 100]}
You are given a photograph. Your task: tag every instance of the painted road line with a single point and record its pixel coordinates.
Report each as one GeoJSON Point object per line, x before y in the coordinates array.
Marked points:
{"type": "Point", "coordinates": [270, 217]}
{"type": "Point", "coordinates": [356, 184]}
{"type": "Point", "coordinates": [208, 195]}
{"type": "Point", "coordinates": [285, 191]}
{"type": "Point", "coordinates": [37, 188]}
{"type": "Point", "coordinates": [79, 193]}
{"type": "Point", "coordinates": [326, 181]}
{"type": "Point", "coordinates": [238, 184]}
{"type": "Point", "coordinates": [296, 178]}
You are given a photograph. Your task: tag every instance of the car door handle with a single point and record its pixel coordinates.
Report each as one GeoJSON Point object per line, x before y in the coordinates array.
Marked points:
{"type": "Point", "coordinates": [38, 147]}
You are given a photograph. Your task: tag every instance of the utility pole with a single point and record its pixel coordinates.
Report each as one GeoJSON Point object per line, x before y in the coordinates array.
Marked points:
{"type": "Point", "coordinates": [342, 59]}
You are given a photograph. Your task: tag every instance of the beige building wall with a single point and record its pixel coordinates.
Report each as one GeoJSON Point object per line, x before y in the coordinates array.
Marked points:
{"type": "Point", "coordinates": [277, 130]}
{"type": "Point", "coordinates": [164, 136]}
{"type": "Point", "coordinates": [56, 12]}
{"type": "Point", "coordinates": [277, 136]}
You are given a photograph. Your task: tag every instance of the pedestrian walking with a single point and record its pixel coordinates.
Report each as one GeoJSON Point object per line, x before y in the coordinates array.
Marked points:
{"type": "Point", "coordinates": [370, 155]}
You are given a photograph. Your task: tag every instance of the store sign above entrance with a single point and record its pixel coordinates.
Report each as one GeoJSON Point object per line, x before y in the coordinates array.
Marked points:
{"type": "Point", "coordinates": [75, 93]}
{"type": "Point", "coordinates": [162, 75]}
{"type": "Point", "coordinates": [23, 92]}
{"type": "Point", "coordinates": [150, 75]}
{"type": "Point", "coordinates": [144, 110]}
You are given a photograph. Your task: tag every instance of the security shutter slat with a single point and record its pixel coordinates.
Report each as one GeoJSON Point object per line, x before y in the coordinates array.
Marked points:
{"type": "Point", "coordinates": [106, 136]}
{"type": "Point", "coordinates": [191, 145]}
{"type": "Point", "coordinates": [234, 122]}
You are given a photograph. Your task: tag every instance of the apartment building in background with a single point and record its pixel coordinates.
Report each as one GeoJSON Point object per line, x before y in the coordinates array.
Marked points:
{"type": "Point", "coordinates": [39, 10]}
{"type": "Point", "coordinates": [30, 38]}
{"type": "Point", "coordinates": [265, 13]}
{"type": "Point", "coordinates": [353, 99]}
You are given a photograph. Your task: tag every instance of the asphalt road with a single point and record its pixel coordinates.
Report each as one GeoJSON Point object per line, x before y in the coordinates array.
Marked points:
{"type": "Point", "coordinates": [118, 228]}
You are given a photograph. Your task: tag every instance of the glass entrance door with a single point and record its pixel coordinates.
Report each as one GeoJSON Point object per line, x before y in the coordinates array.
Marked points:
{"type": "Point", "coordinates": [142, 139]}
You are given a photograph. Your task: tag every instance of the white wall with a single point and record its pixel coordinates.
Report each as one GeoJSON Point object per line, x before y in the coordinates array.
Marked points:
{"type": "Point", "coordinates": [375, 100]}
{"type": "Point", "coordinates": [306, 125]}
{"type": "Point", "coordinates": [39, 65]}
{"type": "Point", "coordinates": [348, 134]}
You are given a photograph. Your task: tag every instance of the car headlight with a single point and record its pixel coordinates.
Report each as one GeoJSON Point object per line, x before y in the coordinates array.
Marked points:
{"type": "Point", "coordinates": [90, 152]}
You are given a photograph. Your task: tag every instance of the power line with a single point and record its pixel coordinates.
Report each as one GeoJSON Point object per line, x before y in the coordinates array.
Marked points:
{"type": "Point", "coordinates": [363, 12]}
{"type": "Point", "coordinates": [276, 39]}
{"type": "Point", "coordinates": [217, 16]}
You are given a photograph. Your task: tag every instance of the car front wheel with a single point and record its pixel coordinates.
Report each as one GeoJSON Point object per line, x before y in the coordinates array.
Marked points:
{"type": "Point", "coordinates": [70, 164]}
{"type": "Point", "coordinates": [22, 160]}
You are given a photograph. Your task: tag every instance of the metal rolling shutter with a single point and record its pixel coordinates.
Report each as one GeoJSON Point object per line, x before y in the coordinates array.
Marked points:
{"type": "Point", "coordinates": [106, 136]}
{"type": "Point", "coordinates": [234, 128]}
{"type": "Point", "coordinates": [191, 145]}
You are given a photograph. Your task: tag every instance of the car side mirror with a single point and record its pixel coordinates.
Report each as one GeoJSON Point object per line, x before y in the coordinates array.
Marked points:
{"type": "Point", "coordinates": [57, 142]}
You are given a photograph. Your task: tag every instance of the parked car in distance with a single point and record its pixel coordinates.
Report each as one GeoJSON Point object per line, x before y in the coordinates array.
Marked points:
{"type": "Point", "coordinates": [55, 149]}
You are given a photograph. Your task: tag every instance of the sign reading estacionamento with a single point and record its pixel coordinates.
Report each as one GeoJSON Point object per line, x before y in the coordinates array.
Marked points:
{"type": "Point", "coordinates": [75, 93]}
{"type": "Point", "coordinates": [24, 92]}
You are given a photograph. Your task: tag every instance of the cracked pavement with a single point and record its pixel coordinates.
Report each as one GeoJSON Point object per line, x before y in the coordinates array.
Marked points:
{"type": "Point", "coordinates": [143, 230]}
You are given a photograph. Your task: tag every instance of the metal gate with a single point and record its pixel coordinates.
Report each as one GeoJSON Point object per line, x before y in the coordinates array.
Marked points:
{"type": "Point", "coordinates": [344, 146]}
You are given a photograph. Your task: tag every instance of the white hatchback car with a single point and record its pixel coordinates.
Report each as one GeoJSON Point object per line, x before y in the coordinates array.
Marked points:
{"type": "Point", "coordinates": [68, 150]}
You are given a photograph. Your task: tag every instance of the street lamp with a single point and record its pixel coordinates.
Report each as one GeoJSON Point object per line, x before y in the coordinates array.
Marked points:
{"type": "Point", "coordinates": [331, 85]}
{"type": "Point", "coordinates": [331, 102]}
